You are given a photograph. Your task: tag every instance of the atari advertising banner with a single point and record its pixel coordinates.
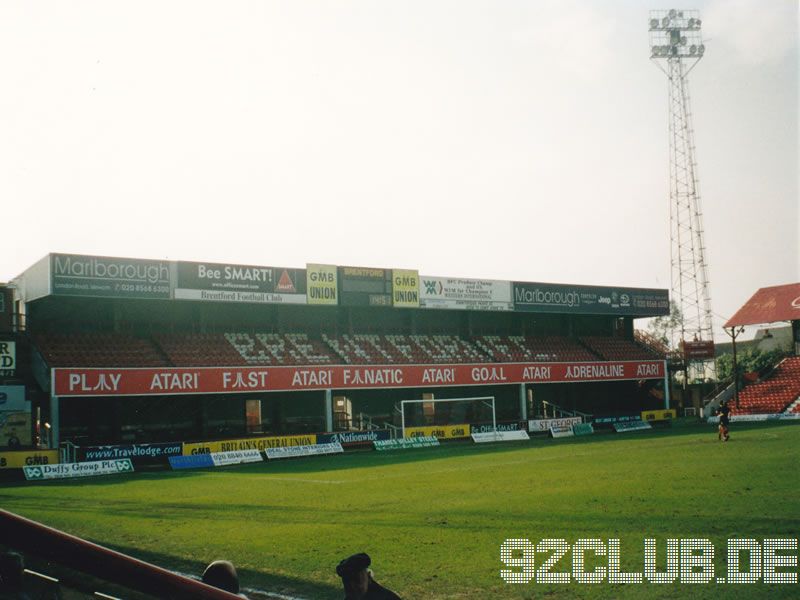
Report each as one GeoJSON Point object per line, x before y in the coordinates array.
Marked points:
{"type": "Point", "coordinates": [239, 283]}
{"type": "Point", "coordinates": [230, 380]}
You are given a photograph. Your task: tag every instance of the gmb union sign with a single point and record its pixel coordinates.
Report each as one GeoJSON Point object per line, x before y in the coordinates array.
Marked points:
{"type": "Point", "coordinates": [227, 380]}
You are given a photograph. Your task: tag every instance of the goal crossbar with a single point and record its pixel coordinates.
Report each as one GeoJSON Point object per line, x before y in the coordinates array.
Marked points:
{"type": "Point", "coordinates": [486, 400]}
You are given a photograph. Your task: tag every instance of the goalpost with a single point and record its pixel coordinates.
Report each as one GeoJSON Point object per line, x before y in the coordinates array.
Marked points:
{"type": "Point", "coordinates": [483, 403]}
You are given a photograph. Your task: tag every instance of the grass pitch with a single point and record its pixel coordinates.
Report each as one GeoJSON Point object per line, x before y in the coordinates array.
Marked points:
{"type": "Point", "coordinates": [434, 519]}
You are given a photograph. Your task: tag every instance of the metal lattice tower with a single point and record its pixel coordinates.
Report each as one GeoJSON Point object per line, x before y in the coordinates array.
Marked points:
{"type": "Point", "coordinates": [676, 47]}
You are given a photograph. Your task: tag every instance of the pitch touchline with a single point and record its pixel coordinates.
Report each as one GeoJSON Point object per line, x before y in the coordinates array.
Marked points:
{"type": "Point", "coordinates": [275, 595]}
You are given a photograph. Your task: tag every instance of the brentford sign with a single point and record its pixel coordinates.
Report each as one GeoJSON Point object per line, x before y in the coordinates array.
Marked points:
{"type": "Point", "coordinates": [227, 380]}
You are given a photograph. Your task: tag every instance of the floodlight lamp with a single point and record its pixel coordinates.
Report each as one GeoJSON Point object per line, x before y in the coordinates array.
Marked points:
{"type": "Point", "coordinates": [691, 23]}
{"type": "Point", "coordinates": [692, 49]}
{"type": "Point", "coordinates": [683, 41]}
{"type": "Point", "coordinates": [665, 21]}
{"type": "Point", "coordinates": [672, 14]}
{"type": "Point", "coordinates": [697, 23]}
{"type": "Point", "coordinates": [700, 49]}
{"type": "Point", "coordinates": [653, 23]}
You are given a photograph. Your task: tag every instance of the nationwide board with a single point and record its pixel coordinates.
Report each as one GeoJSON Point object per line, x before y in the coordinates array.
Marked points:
{"type": "Point", "coordinates": [106, 277]}
{"type": "Point", "coordinates": [589, 300]}
{"type": "Point", "coordinates": [239, 283]}
{"type": "Point", "coordinates": [353, 438]}
{"type": "Point", "coordinates": [218, 380]}
{"type": "Point", "coordinates": [465, 294]}
{"type": "Point", "coordinates": [364, 286]}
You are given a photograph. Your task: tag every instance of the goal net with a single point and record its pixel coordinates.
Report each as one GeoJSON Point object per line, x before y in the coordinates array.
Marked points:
{"type": "Point", "coordinates": [440, 416]}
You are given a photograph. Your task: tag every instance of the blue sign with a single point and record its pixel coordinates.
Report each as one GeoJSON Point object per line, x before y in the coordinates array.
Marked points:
{"type": "Point", "coordinates": [196, 461]}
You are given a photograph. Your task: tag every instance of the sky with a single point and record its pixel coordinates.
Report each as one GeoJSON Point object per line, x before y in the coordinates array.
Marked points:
{"type": "Point", "coordinates": [514, 140]}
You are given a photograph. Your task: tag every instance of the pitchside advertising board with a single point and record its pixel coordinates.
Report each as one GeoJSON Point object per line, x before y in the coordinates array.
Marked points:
{"type": "Point", "coordinates": [442, 432]}
{"type": "Point", "coordinates": [239, 283]}
{"type": "Point", "coordinates": [102, 276]}
{"type": "Point", "coordinates": [589, 300]}
{"type": "Point", "coordinates": [27, 458]}
{"type": "Point", "coordinates": [465, 294]}
{"type": "Point", "coordinates": [249, 444]}
{"type": "Point", "coordinates": [353, 438]}
{"type": "Point", "coordinates": [221, 380]}
{"type": "Point", "coordinates": [84, 469]}
{"type": "Point", "coordinates": [136, 452]}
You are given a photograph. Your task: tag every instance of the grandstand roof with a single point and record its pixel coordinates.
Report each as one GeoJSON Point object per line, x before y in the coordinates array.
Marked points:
{"type": "Point", "coordinates": [769, 305]}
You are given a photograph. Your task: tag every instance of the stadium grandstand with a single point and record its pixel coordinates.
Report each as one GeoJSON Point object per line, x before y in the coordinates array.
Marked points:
{"type": "Point", "coordinates": [775, 392]}
{"type": "Point", "coordinates": [131, 351]}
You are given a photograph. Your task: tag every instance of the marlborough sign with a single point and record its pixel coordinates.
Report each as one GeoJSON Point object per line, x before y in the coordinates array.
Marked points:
{"type": "Point", "coordinates": [227, 380]}
{"type": "Point", "coordinates": [76, 275]}
{"type": "Point", "coordinates": [590, 300]}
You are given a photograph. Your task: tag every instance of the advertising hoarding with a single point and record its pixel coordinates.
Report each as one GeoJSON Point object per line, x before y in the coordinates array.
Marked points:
{"type": "Point", "coordinates": [259, 444]}
{"type": "Point", "coordinates": [214, 380]}
{"type": "Point", "coordinates": [322, 284]}
{"type": "Point", "coordinates": [405, 288]}
{"type": "Point", "coordinates": [132, 451]}
{"type": "Point", "coordinates": [107, 277]}
{"type": "Point", "coordinates": [239, 283]}
{"type": "Point", "coordinates": [465, 294]}
{"type": "Point", "coordinates": [81, 469]}
{"type": "Point", "coordinates": [589, 300]}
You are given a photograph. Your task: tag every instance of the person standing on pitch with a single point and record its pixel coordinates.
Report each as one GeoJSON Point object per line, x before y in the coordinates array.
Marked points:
{"type": "Point", "coordinates": [724, 411]}
{"type": "Point", "coordinates": [358, 582]}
